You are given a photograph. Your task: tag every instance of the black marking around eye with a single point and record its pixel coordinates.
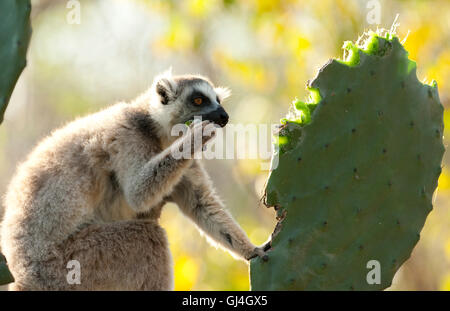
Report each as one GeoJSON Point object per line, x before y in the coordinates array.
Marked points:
{"type": "Point", "coordinates": [197, 94]}
{"type": "Point", "coordinates": [218, 99]}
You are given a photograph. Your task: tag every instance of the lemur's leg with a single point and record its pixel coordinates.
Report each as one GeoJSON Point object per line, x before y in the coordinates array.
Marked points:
{"type": "Point", "coordinates": [126, 255]}
{"type": "Point", "coordinates": [146, 182]}
{"type": "Point", "coordinates": [197, 199]}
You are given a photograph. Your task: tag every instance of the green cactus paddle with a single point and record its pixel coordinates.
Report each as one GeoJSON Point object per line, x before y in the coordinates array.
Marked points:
{"type": "Point", "coordinates": [358, 165]}
{"type": "Point", "coordinates": [15, 32]}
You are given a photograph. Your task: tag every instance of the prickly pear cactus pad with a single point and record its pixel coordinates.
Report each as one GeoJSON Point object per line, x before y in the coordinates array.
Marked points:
{"type": "Point", "coordinates": [358, 166]}
{"type": "Point", "coordinates": [15, 31]}
{"type": "Point", "coordinates": [5, 274]}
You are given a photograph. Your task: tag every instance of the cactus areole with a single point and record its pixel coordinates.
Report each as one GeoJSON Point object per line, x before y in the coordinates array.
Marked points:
{"type": "Point", "coordinates": [358, 166]}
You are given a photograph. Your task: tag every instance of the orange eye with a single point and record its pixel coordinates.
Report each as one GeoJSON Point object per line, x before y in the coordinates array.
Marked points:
{"type": "Point", "coordinates": [198, 101]}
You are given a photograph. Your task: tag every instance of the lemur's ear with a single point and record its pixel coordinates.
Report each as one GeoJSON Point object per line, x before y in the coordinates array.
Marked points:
{"type": "Point", "coordinates": [222, 92]}
{"type": "Point", "coordinates": [165, 86]}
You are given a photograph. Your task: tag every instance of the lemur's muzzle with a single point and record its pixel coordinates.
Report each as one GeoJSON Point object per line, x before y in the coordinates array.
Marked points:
{"type": "Point", "coordinates": [218, 116]}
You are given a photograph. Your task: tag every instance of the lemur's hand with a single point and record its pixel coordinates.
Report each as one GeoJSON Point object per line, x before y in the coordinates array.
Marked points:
{"type": "Point", "coordinates": [261, 252]}
{"type": "Point", "coordinates": [200, 134]}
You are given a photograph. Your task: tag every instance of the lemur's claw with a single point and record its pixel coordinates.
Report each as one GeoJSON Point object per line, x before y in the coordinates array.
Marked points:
{"type": "Point", "coordinates": [259, 252]}
{"type": "Point", "coordinates": [267, 246]}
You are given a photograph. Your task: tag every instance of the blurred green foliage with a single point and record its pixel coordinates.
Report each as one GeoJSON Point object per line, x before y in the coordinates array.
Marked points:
{"type": "Point", "coordinates": [265, 51]}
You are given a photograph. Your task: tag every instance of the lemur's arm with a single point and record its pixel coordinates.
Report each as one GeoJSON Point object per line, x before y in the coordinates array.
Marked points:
{"type": "Point", "coordinates": [197, 199]}
{"type": "Point", "coordinates": [147, 179]}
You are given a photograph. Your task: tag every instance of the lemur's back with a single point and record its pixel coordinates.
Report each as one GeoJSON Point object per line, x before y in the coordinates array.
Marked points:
{"type": "Point", "coordinates": [63, 184]}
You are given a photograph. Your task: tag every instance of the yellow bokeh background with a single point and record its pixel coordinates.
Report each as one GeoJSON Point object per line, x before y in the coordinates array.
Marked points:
{"type": "Point", "coordinates": [265, 51]}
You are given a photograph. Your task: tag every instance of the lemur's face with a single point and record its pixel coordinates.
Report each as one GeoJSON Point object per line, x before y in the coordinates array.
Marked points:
{"type": "Point", "coordinates": [188, 97]}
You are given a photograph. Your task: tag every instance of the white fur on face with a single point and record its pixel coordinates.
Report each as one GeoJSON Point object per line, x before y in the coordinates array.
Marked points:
{"type": "Point", "coordinates": [222, 92]}
{"type": "Point", "coordinates": [166, 78]}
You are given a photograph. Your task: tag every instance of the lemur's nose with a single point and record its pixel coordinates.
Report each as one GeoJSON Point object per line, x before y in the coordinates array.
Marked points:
{"type": "Point", "coordinates": [224, 117]}
{"type": "Point", "coordinates": [218, 116]}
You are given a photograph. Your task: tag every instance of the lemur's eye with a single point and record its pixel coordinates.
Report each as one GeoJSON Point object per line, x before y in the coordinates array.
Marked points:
{"type": "Point", "coordinates": [198, 101]}
{"type": "Point", "coordinates": [218, 99]}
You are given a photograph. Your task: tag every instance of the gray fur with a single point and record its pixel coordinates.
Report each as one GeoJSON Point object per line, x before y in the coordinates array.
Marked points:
{"type": "Point", "coordinates": [93, 191]}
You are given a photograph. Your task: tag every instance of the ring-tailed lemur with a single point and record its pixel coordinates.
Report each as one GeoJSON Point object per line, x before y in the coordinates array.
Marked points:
{"type": "Point", "coordinates": [93, 190]}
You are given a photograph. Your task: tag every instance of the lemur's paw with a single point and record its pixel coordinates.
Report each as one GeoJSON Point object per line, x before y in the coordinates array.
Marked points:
{"type": "Point", "coordinates": [201, 134]}
{"type": "Point", "coordinates": [259, 252]}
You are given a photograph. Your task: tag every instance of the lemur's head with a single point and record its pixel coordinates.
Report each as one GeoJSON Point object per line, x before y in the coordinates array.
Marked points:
{"type": "Point", "coordinates": [182, 98]}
